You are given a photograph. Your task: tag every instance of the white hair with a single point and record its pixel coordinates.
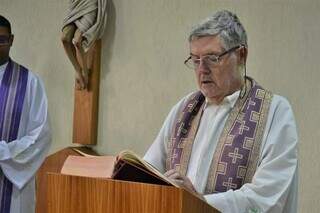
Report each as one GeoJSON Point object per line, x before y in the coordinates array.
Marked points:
{"type": "Point", "coordinates": [224, 24]}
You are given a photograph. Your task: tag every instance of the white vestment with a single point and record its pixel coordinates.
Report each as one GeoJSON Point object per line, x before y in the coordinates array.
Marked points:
{"type": "Point", "coordinates": [274, 186]}
{"type": "Point", "coordinates": [21, 158]}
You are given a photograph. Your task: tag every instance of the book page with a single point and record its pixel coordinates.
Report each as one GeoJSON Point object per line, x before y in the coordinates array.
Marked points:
{"type": "Point", "coordinates": [84, 151]}
{"type": "Point", "coordinates": [130, 156]}
{"type": "Point", "coordinates": [94, 166]}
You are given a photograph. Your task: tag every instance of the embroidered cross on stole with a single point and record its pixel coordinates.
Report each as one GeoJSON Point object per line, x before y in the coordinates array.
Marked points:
{"type": "Point", "coordinates": [235, 158]}
{"type": "Point", "coordinates": [12, 93]}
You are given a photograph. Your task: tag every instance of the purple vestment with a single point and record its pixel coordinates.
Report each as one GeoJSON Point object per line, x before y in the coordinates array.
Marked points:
{"type": "Point", "coordinates": [12, 93]}
{"type": "Point", "coordinates": [235, 158]}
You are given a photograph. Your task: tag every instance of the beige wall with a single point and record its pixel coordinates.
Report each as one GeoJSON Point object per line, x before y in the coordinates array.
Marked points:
{"type": "Point", "coordinates": [143, 75]}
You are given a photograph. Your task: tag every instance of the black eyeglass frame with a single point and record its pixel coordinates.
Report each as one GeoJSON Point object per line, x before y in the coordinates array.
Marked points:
{"type": "Point", "coordinates": [216, 57]}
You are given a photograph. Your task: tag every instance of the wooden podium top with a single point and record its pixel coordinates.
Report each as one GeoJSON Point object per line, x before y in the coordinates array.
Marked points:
{"type": "Point", "coordinates": [74, 194]}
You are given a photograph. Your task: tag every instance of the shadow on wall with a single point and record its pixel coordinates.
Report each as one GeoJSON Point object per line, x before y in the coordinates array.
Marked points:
{"type": "Point", "coordinates": [107, 40]}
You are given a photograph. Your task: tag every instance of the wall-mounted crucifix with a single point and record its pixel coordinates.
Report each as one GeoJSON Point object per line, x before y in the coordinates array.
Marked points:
{"type": "Point", "coordinates": [82, 29]}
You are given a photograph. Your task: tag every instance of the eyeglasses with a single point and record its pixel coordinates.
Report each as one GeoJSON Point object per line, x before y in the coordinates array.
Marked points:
{"type": "Point", "coordinates": [4, 40]}
{"type": "Point", "coordinates": [209, 60]}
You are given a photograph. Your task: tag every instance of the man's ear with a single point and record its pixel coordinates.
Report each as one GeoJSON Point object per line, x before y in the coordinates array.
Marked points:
{"type": "Point", "coordinates": [243, 53]}
{"type": "Point", "coordinates": [11, 39]}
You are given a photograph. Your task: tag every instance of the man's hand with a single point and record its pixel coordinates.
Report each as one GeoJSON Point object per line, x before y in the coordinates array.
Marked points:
{"type": "Point", "coordinates": [179, 179]}
{"type": "Point", "coordinates": [183, 182]}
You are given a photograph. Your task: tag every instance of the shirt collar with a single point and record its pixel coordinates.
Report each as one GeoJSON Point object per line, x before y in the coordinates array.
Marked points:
{"type": "Point", "coordinates": [228, 100]}
{"type": "Point", "coordinates": [3, 67]}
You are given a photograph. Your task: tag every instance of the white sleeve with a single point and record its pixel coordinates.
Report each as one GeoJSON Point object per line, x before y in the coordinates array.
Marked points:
{"type": "Point", "coordinates": [20, 159]}
{"type": "Point", "coordinates": [157, 153]}
{"type": "Point", "coordinates": [268, 191]}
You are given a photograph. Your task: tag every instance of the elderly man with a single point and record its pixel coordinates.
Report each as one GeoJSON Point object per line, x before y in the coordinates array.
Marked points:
{"type": "Point", "coordinates": [24, 130]}
{"type": "Point", "coordinates": [233, 142]}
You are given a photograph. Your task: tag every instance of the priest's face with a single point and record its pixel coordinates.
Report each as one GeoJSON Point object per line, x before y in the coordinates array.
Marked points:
{"type": "Point", "coordinates": [6, 40]}
{"type": "Point", "coordinates": [216, 78]}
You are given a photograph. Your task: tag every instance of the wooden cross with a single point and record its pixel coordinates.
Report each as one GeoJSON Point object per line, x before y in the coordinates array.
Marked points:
{"type": "Point", "coordinates": [86, 102]}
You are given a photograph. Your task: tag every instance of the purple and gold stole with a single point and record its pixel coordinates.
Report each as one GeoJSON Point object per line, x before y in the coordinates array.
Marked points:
{"type": "Point", "coordinates": [237, 152]}
{"type": "Point", "coordinates": [12, 93]}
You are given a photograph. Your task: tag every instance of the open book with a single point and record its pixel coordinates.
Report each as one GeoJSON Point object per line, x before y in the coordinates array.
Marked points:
{"type": "Point", "coordinates": [126, 166]}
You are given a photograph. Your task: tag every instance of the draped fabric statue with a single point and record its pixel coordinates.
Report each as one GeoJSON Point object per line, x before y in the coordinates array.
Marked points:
{"type": "Point", "coordinates": [83, 25]}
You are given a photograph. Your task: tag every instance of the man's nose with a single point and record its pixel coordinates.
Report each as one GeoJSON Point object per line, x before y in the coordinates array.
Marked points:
{"type": "Point", "coordinates": [203, 67]}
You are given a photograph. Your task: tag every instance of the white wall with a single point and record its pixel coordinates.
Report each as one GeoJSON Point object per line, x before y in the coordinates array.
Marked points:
{"type": "Point", "coordinates": [143, 74]}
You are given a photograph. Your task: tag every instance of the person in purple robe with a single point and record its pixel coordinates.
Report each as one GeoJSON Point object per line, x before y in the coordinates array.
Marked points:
{"type": "Point", "coordinates": [233, 143]}
{"type": "Point", "coordinates": [25, 135]}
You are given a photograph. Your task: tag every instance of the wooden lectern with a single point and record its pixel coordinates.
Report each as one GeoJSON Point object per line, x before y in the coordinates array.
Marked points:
{"type": "Point", "coordinates": [74, 194]}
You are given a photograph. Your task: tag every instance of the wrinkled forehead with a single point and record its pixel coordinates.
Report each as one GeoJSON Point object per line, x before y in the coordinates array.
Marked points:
{"type": "Point", "coordinates": [206, 45]}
